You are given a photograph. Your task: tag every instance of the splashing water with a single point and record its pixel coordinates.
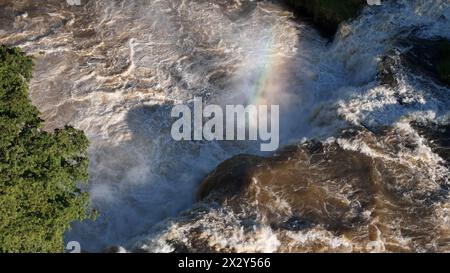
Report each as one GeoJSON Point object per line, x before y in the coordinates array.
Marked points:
{"type": "Point", "coordinates": [115, 68]}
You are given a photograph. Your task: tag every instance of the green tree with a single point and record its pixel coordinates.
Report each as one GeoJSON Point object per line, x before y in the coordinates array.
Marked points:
{"type": "Point", "coordinates": [40, 172]}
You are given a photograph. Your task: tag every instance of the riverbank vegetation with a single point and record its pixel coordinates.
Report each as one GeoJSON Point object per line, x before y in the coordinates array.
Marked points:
{"type": "Point", "coordinates": [40, 172]}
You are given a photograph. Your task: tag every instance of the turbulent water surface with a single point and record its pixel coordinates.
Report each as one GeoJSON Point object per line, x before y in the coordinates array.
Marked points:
{"type": "Point", "coordinates": [115, 68]}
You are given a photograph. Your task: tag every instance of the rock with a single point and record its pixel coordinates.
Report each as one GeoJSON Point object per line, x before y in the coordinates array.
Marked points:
{"type": "Point", "coordinates": [443, 65]}
{"type": "Point", "coordinates": [229, 178]}
{"type": "Point", "coordinates": [297, 177]}
{"type": "Point", "coordinates": [327, 15]}
{"type": "Point", "coordinates": [430, 57]}
{"type": "Point", "coordinates": [438, 138]}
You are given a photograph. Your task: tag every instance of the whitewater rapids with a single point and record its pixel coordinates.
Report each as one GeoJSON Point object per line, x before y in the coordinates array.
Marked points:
{"type": "Point", "coordinates": [115, 68]}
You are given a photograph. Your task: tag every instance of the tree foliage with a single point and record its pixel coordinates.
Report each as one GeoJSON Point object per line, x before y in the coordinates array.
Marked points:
{"type": "Point", "coordinates": [40, 172]}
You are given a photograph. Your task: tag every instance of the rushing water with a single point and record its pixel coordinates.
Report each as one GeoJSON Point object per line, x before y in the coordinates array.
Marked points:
{"type": "Point", "coordinates": [115, 68]}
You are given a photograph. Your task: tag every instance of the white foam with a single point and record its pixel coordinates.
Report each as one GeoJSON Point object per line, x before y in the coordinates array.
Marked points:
{"type": "Point", "coordinates": [118, 85]}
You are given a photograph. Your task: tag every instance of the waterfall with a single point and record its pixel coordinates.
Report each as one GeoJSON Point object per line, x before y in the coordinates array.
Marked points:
{"type": "Point", "coordinates": [115, 68]}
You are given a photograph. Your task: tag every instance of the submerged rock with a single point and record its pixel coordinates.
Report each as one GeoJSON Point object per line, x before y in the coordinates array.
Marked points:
{"type": "Point", "coordinates": [425, 57]}
{"type": "Point", "coordinates": [443, 66]}
{"type": "Point", "coordinates": [437, 137]}
{"type": "Point", "coordinates": [327, 15]}
{"type": "Point", "coordinates": [293, 184]}
{"type": "Point", "coordinates": [431, 57]}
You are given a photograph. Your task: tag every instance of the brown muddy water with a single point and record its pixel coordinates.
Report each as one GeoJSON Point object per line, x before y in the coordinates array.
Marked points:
{"type": "Point", "coordinates": [364, 159]}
